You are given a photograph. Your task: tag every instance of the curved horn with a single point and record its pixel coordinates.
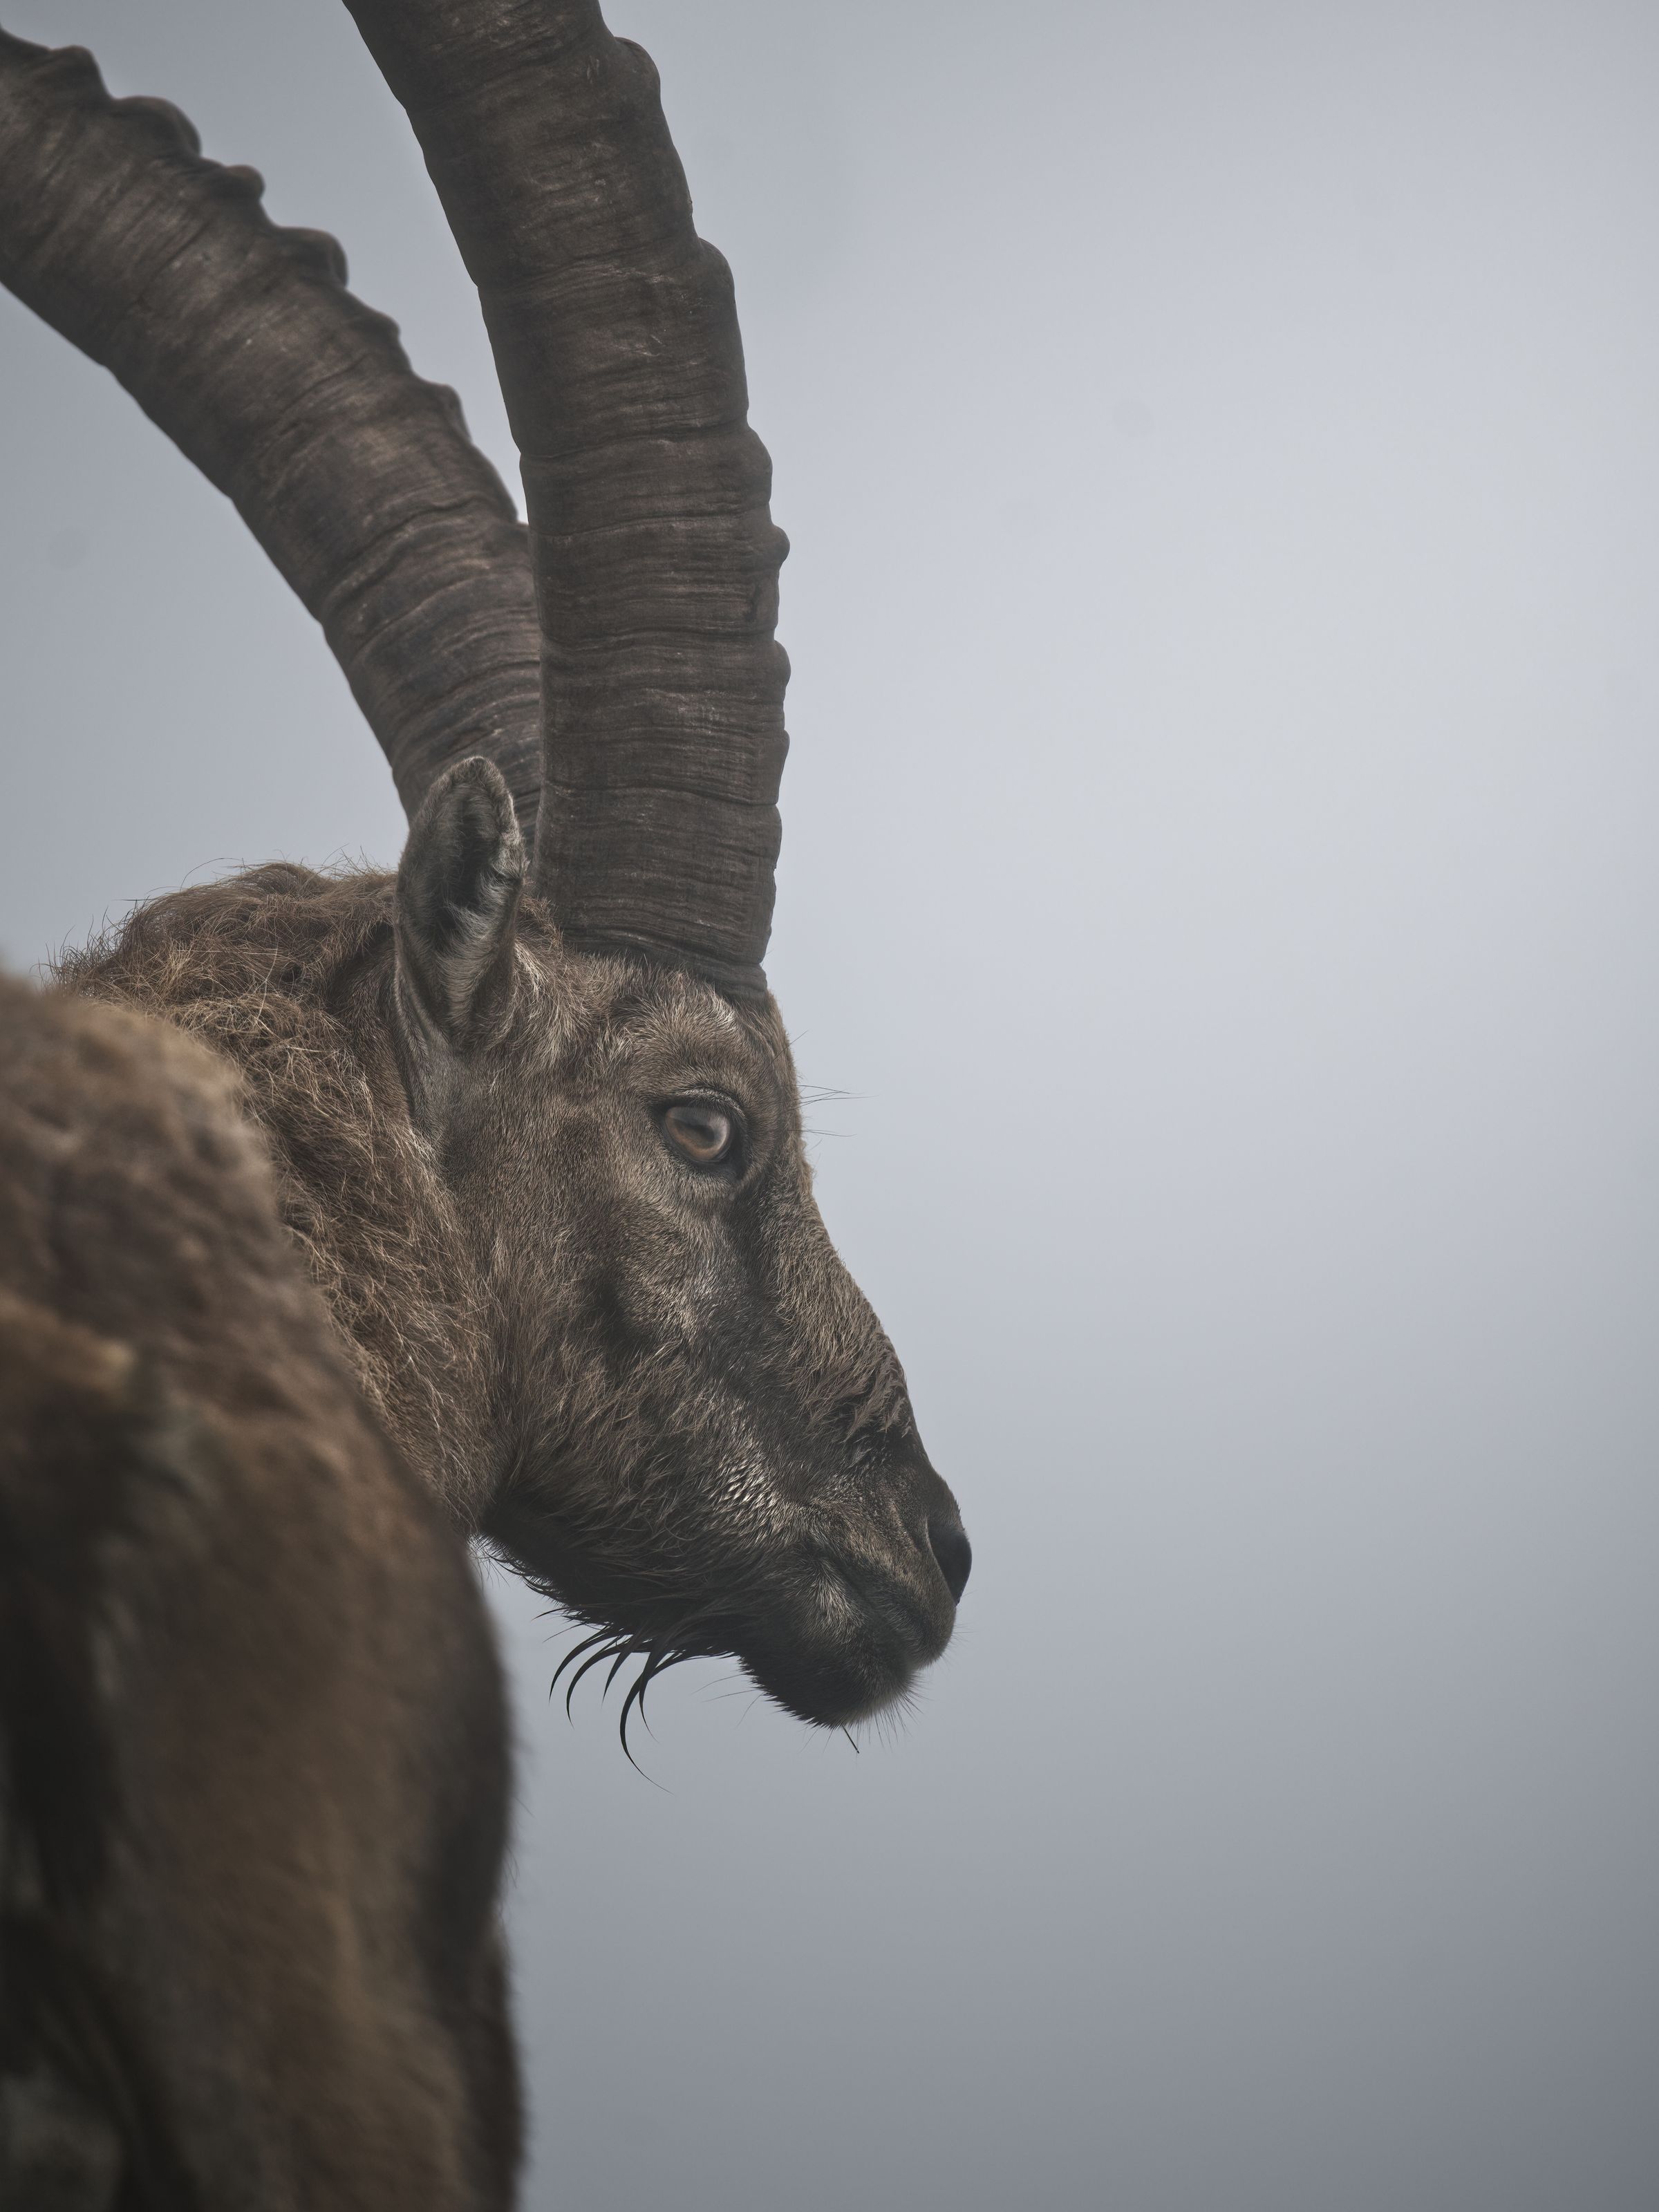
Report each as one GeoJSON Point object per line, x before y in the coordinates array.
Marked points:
{"type": "Point", "coordinates": [617, 342]}
{"type": "Point", "coordinates": [241, 341]}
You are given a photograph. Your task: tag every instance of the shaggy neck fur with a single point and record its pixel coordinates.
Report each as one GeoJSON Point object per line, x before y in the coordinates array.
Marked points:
{"type": "Point", "coordinates": [288, 973]}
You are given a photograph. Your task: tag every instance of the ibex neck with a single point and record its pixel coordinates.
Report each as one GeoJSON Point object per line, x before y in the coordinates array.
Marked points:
{"type": "Point", "coordinates": [286, 973]}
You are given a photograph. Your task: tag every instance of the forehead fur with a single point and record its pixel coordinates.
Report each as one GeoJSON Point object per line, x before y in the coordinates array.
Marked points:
{"type": "Point", "coordinates": [607, 1017]}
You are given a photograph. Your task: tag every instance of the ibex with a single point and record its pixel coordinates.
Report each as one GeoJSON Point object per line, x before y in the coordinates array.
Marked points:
{"type": "Point", "coordinates": [252, 1756]}
{"type": "Point", "coordinates": [532, 1110]}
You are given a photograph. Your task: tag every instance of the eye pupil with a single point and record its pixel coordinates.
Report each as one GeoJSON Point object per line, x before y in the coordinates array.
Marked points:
{"type": "Point", "coordinates": [703, 1133]}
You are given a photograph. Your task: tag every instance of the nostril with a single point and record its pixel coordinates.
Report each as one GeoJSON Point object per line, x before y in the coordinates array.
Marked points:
{"type": "Point", "coordinates": [948, 1542]}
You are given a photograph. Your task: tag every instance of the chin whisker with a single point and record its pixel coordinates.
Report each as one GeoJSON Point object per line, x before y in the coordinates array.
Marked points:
{"type": "Point", "coordinates": [607, 1648]}
{"type": "Point", "coordinates": [656, 1664]}
{"type": "Point", "coordinates": [597, 1636]}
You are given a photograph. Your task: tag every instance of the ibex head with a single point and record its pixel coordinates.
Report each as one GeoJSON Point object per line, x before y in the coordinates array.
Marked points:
{"type": "Point", "coordinates": [697, 1435]}
{"type": "Point", "coordinates": [706, 1443]}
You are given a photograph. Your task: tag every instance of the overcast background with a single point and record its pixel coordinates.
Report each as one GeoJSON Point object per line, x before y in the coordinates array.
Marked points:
{"type": "Point", "coordinates": [1220, 440]}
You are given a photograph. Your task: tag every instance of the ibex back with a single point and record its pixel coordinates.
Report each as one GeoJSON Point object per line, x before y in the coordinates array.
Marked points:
{"type": "Point", "coordinates": [253, 1757]}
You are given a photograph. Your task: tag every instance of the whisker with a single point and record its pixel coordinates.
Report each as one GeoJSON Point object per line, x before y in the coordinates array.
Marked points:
{"type": "Point", "coordinates": [721, 1680]}
{"type": "Point", "coordinates": [659, 1663]}
{"type": "Point", "coordinates": [596, 1659]}
{"type": "Point", "coordinates": [635, 1692]}
{"type": "Point", "coordinates": [599, 1636]}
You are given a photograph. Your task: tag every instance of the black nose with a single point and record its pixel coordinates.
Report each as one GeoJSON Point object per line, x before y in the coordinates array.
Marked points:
{"type": "Point", "coordinates": [951, 1547]}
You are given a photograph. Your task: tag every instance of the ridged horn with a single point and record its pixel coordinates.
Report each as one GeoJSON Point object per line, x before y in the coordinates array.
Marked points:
{"type": "Point", "coordinates": [241, 341]}
{"type": "Point", "coordinates": [615, 340]}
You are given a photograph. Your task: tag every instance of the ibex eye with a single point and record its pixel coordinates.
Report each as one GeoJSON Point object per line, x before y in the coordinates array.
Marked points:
{"type": "Point", "coordinates": [707, 1134]}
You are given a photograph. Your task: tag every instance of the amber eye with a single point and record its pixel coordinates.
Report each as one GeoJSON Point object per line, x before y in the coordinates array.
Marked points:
{"type": "Point", "coordinates": [706, 1134]}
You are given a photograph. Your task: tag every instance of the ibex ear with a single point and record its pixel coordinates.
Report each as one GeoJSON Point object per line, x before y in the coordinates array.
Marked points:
{"type": "Point", "coordinates": [458, 895]}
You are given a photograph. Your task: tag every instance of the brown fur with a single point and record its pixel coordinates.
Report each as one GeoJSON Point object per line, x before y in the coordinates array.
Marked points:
{"type": "Point", "coordinates": [280, 971]}
{"type": "Point", "coordinates": [254, 1773]}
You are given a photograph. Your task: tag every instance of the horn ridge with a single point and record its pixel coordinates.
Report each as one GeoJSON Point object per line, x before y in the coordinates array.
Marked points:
{"type": "Point", "coordinates": [241, 341]}
{"type": "Point", "coordinates": [615, 339]}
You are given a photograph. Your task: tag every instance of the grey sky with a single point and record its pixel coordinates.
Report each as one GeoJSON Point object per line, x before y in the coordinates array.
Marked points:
{"type": "Point", "coordinates": [1220, 445]}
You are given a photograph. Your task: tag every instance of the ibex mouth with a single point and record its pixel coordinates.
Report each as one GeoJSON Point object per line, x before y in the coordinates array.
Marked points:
{"type": "Point", "coordinates": [856, 1642]}
{"type": "Point", "coordinates": [832, 1621]}
{"type": "Point", "coordinates": [887, 1605]}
